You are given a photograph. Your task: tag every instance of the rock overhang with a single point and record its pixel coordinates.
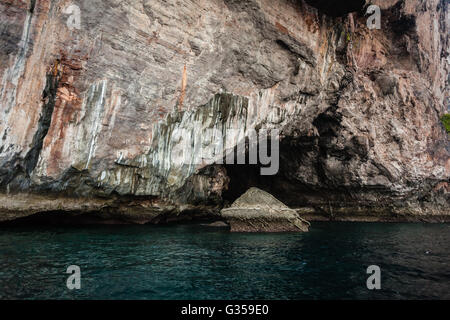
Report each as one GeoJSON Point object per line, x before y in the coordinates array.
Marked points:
{"type": "Point", "coordinates": [337, 8]}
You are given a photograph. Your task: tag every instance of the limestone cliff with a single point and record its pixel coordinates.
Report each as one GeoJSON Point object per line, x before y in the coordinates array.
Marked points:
{"type": "Point", "coordinates": [90, 108]}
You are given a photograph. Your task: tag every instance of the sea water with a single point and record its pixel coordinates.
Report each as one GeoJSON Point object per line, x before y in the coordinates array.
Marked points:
{"type": "Point", "coordinates": [200, 262]}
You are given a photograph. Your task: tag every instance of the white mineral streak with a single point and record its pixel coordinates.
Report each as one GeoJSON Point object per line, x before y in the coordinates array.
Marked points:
{"type": "Point", "coordinates": [96, 118]}
{"type": "Point", "coordinates": [199, 138]}
{"type": "Point", "coordinates": [10, 80]}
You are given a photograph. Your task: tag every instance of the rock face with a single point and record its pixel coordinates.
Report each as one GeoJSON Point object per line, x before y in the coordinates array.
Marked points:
{"type": "Point", "coordinates": [92, 111]}
{"type": "Point", "coordinates": [259, 211]}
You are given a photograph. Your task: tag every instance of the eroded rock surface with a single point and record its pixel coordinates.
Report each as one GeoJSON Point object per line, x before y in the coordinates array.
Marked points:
{"type": "Point", "coordinates": [258, 211]}
{"type": "Point", "coordinates": [91, 113]}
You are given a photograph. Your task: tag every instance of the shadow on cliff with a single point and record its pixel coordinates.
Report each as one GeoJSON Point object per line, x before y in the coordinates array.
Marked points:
{"type": "Point", "coordinates": [337, 8]}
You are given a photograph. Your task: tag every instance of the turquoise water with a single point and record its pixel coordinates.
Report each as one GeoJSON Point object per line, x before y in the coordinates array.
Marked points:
{"type": "Point", "coordinates": [197, 262]}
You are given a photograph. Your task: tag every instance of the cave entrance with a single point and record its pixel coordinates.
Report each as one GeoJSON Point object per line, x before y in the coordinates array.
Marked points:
{"type": "Point", "coordinates": [284, 185]}
{"type": "Point", "coordinates": [243, 177]}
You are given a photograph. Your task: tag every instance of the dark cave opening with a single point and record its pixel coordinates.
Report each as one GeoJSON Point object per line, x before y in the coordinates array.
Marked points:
{"type": "Point", "coordinates": [337, 8]}
{"type": "Point", "coordinates": [243, 177]}
{"type": "Point", "coordinates": [284, 185]}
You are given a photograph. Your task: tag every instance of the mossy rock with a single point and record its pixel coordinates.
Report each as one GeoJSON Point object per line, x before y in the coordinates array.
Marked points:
{"type": "Point", "coordinates": [446, 121]}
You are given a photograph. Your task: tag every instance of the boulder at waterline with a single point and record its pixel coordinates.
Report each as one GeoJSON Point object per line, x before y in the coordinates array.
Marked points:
{"type": "Point", "coordinates": [259, 211]}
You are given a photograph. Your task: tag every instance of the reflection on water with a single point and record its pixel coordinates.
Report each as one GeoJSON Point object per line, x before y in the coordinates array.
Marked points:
{"type": "Point", "coordinates": [195, 262]}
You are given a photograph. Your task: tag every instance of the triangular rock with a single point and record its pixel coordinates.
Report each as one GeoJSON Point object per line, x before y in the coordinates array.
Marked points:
{"type": "Point", "coordinates": [259, 211]}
